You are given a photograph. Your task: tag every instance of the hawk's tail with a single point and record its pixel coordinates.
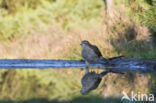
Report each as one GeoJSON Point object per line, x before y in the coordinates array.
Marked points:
{"type": "Point", "coordinates": [103, 73]}
{"type": "Point", "coordinates": [103, 59]}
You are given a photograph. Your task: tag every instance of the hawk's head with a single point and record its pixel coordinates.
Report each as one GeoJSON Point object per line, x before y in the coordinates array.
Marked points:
{"type": "Point", "coordinates": [85, 43]}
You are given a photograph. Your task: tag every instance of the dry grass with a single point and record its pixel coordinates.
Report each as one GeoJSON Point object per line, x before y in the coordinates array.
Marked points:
{"type": "Point", "coordinates": [51, 42]}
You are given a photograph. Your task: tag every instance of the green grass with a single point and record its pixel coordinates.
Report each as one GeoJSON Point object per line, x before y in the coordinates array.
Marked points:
{"type": "Point", "coordinates": [67, 13]}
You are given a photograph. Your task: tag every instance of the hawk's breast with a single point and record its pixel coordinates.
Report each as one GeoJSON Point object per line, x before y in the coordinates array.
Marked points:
{"type": "Point", "coordinates": [90, 55]}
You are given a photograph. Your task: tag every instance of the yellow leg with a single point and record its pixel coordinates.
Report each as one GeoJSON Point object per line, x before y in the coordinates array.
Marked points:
{"type": "Point", "coordinates": [87, 67]}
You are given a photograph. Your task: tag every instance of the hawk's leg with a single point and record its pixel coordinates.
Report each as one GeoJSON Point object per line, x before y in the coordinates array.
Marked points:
{"type": "Point", "coordinates": [87, 67]}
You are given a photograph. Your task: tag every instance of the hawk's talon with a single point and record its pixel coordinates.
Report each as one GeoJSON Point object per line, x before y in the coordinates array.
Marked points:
{"type": "Point", "coordinates": [87, 69]}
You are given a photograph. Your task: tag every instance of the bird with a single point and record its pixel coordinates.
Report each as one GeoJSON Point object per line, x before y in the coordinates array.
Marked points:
{"type": "Point", "coordinates": [90, 53]}
{"type": "Point", "coordinates": [91, 81]}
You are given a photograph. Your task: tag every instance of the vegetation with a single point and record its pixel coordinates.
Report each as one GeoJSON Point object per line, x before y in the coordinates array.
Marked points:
{"type": "Point", "coordinates": [145, 12]}
{"type": "Point", "coordinates": [53, 29]}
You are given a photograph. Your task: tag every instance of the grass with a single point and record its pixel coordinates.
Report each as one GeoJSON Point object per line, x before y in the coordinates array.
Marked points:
{"type": "Point", "coordinates": [90, 99]}
{"type": "Point", "coordinates": [54, 30]}
{"type": "Point", "coordinates": [66, 13]}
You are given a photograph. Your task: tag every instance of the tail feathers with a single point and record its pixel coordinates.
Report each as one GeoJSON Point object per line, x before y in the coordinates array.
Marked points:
{"type": "Point", "coordinates": [103, 59]}
{"type": "Point", "coordinates": [117, 57]}
{"type": "Point", "coordinates": [103, 73]}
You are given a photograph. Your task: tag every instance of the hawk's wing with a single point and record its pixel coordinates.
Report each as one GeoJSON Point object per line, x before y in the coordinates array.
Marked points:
{"type": "Point", "coordinates": [96, 50]}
